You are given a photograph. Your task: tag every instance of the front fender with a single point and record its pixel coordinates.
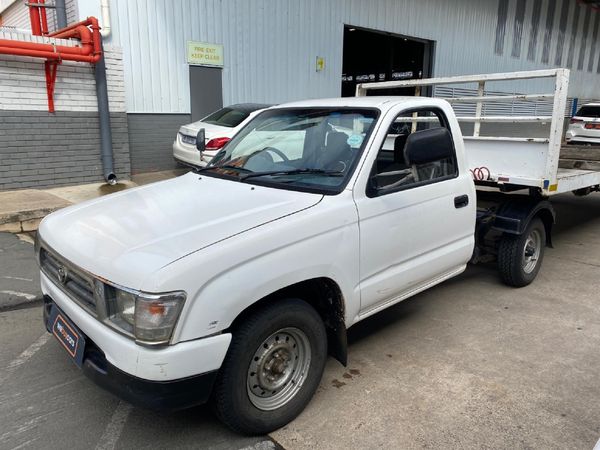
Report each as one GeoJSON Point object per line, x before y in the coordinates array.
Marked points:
{"type": "Point", "coordinates": [225, 279]}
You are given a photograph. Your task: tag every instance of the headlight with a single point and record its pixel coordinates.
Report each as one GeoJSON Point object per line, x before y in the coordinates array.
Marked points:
{"type": "Point", "coordinates": [150, 318]}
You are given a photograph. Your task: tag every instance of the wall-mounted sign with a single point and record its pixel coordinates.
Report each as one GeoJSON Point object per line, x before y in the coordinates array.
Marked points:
{"type": "Point", "coordinates": [402, 75]}
{"type": "Point", "coordinates": [320, 65]}
{"type": "Point", "coordinates": [204, 54]}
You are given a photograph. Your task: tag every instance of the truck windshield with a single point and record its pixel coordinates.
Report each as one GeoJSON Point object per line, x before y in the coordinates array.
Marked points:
{"type": "Point", "coordinates": [311, 149]}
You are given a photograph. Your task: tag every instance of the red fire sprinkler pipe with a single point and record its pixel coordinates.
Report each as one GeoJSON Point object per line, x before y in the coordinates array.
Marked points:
{"type": "Point", "coordinates": [90, 50]}
{"type": "Point", "coordinates": [34, 17]}
{"type": "Point", "coordinates": [44, 19]}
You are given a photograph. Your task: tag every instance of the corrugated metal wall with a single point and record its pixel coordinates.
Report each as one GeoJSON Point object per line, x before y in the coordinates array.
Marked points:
{"type": "Point", "coordinates": [270, 46]}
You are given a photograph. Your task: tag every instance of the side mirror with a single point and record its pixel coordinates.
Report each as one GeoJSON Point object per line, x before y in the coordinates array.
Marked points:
{"type": "Point", "coordinates": [200, 140]}
{"type": "Point", "coordinates": [427, 146]}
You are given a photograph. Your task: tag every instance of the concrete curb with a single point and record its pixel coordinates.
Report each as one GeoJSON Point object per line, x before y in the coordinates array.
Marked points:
{"type": "Point", "coordinates": [22, 210]}
{"type": "Point", "coordinates": [24, 221]}
{"type": "Point", "coordinates": [6, 307]}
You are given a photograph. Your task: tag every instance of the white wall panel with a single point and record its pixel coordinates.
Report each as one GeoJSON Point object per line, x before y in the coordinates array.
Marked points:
{"type": "Point", "coordinates": [270, 46]}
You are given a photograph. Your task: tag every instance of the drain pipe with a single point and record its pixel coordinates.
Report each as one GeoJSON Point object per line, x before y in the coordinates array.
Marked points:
{"type": "Point", "coordinates": [61, 14]}
{"type": "Point", "coordinates": [106, 149]}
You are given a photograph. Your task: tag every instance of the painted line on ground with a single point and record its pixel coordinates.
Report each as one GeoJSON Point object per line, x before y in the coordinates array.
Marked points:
{"type": "Point", "coordinates": [19, 294]}
{"type": "Point", "coordinates": [262, 445]}
{"type": "Point", "coordinates": [16, 278]}
{"type": "Point", "coordinates": [29, 351]}
{"type": "Point", "coordinates": [113, 430]}
{"type": "Point", "coordinates": [24, 356]}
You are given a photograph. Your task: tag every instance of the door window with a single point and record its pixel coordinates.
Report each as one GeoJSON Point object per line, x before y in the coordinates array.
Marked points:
{"type": "Point", "coordinates": [418, 149]}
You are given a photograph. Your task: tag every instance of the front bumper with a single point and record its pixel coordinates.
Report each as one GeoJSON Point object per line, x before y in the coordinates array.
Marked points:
{"type": "Point", "coordinates": [161, 395]}
{"type": "Point", "coordinates": [167, 363]}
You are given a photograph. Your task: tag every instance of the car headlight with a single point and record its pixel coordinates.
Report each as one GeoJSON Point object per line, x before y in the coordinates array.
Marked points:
{"type": "Point", "coordinates": [150, 318]}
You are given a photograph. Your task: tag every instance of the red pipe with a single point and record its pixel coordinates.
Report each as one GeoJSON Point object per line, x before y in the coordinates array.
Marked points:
{"type": "Point", "coordinates": [48, 54]}
{"type": "Point", "coordinates": [44, 19]}
{"type": "Point", "coordinates": [34, 17]}
{"type": "Point", "coordinates": [90, 50]}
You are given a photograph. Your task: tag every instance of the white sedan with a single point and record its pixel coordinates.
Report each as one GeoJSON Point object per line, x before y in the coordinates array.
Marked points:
{"type": "Point", "coordinates": [220, 127]}
{"type": "Point", "coordinates": [584, 126]}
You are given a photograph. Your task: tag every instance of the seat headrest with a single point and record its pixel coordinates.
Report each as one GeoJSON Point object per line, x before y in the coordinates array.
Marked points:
{"type": "Point", "coordinates": [337, 139]}
{"type": "Point", "coordinates": [399, 144]}
{"type": "Point", "coordinates": [426, 146]}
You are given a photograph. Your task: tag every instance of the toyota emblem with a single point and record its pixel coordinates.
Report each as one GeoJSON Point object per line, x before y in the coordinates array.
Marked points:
{"type": "Point", "coordinates": [62, 274]}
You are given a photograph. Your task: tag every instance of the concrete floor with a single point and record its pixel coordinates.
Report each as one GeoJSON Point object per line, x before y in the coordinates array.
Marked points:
{"type": "Point", "coordinates": [473, 363]}
{"type": "Point", "coordinates": [468, 364]}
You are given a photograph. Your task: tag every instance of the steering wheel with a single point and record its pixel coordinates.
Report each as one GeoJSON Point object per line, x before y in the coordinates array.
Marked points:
{"type": "Point", "coordinates": [272, 150]}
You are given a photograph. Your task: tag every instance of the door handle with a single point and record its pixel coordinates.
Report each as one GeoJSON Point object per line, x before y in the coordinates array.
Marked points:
{"type": "Point", "coordinates": [461, 201]}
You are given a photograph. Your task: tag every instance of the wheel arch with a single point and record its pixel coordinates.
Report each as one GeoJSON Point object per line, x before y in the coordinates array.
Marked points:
{"type": "Point", "coordinates": [514, 216]}
{"type": "Point", "coordinates": [323, 294]}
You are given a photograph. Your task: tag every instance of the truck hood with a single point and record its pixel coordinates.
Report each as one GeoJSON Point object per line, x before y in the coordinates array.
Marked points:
{"type": "Point", "coordinates": [126, 237]}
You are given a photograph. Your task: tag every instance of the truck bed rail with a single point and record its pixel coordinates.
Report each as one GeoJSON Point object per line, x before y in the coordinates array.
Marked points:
{"type": "Point", "coordinates": [508, 162]}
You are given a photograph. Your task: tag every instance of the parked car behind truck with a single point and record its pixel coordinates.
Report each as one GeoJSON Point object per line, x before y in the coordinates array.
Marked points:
{"type": "Point", "coordinates": [584, 126]}
{"type": "Point", "coordinates": [218, 126]}
{"type": "Point", "coordinates": [234, 282]}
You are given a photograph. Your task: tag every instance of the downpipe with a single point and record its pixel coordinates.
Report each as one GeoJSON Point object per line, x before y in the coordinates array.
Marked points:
{"type": "Point", "coordinates": [61, 14]}
{"type": "Point", "coordinates": [106, 149]}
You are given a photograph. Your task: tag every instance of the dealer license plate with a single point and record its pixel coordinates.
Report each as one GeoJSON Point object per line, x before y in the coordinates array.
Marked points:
{"type": "Point", "coordinates": [69, 336]}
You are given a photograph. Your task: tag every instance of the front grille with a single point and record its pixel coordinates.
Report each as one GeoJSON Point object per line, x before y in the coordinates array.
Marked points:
{"type": "Point", "coordinates": [74, 282]}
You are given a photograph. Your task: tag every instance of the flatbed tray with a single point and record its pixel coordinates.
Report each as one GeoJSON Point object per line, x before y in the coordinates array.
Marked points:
{"type": "Point", "coordinates": [582, 157]}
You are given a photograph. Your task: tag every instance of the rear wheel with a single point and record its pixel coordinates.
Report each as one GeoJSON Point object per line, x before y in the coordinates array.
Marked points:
{"type": "Point", "coordinates": [520, 257]}
{"type": "Point", "coordinates": [273, 367]}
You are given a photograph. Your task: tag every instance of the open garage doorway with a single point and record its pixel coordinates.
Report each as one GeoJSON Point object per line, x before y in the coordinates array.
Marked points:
{"type": "Point", "coordinates": [371, 56]}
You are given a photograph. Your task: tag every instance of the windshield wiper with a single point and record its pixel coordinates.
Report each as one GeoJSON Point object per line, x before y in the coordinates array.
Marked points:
{"type": "Point", "coordinates": [225, 166]}
{"type": "Point", "coordinates": [329, 173]}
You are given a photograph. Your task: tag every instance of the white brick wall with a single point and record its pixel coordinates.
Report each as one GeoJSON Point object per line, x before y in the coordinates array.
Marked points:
{"type": "Point", "coordinates": [23, 84]}
{"type": "Point", "coordinates": [17, 15]}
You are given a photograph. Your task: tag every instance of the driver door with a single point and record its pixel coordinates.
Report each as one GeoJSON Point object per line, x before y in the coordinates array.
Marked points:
{"type": "Point", "coordinates": [417, 213]}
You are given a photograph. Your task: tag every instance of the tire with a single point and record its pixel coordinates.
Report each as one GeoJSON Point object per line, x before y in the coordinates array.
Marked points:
{"type": "Point", "coordinates": [291, 330]}
{"type": "Point", "coordinates": [520, 257]}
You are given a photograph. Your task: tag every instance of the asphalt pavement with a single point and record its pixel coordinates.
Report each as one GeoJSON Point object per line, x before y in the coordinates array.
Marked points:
{"type": "Point", "coordinates": [45, 402]}
{"type": "Point", "coordinates": [468, 364]}
{"type": "Point", "coordinates": [19, 274]}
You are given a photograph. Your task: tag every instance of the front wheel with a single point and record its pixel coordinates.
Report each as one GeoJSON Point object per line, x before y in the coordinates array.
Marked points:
{"type": "Point", "coordinates": [273, 367]}
{"type": "Point", "coordinates": [520, 257]}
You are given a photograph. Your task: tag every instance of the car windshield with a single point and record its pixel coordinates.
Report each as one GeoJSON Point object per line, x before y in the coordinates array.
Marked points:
{"type": "Point", "coordinates": [589, 111]}
{"type": "Point", "coordinates": [226, 117]}
{"type": "Point", "coordinates": [312, 149]}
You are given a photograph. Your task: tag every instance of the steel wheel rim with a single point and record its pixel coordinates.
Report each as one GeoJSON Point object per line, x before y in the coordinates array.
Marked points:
{"type": "Point", "coordinates": [532, 251]}
{"type": "Point", "coordinates": [278, 369]}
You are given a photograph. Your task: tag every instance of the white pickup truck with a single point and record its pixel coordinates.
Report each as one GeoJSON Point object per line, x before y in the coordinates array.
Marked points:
{"type": "Point", "coordinates": [234, 282]}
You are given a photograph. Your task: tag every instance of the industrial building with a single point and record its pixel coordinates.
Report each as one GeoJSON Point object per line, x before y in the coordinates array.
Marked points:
{"type": "Point", "coordinates": [172, 62]}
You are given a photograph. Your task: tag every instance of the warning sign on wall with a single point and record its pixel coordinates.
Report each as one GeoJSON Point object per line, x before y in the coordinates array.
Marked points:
{"type": "Point", "coordinates": [204, 54]}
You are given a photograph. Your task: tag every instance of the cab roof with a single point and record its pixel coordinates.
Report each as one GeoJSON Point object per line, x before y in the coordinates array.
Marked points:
{"type": "Point", "coordinates": [380, 102]}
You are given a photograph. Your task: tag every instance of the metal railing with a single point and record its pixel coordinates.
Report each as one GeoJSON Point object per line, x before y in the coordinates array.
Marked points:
{"type": "Point", "coordinates": [559, 96]}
